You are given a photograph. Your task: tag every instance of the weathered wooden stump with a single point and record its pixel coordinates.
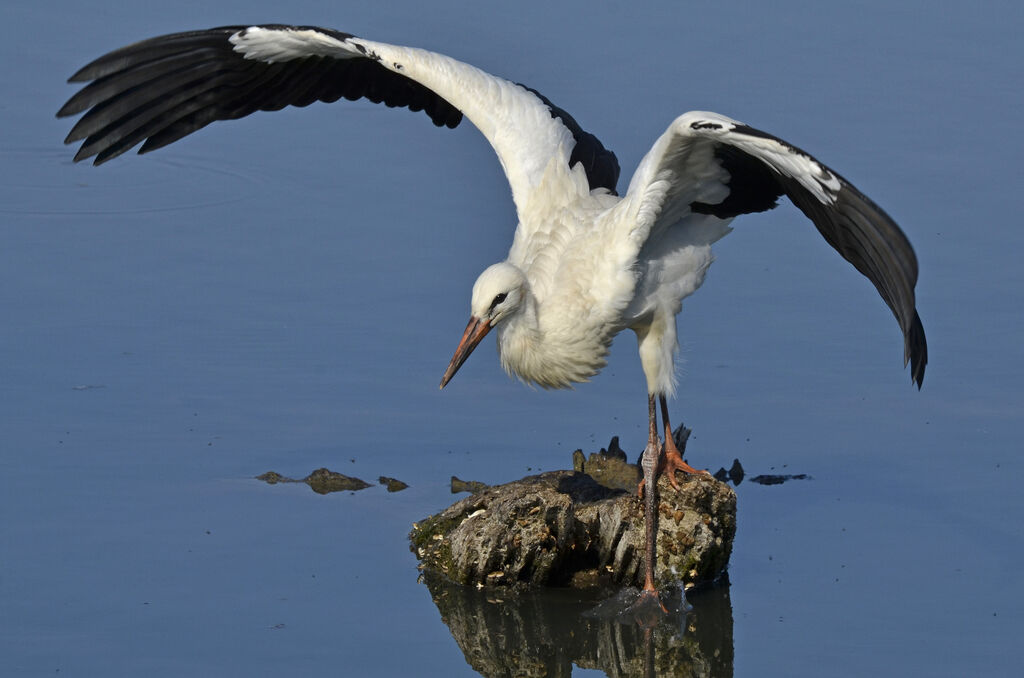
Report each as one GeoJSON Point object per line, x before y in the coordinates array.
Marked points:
{"type": "Point", "coordinates": [563, 528]}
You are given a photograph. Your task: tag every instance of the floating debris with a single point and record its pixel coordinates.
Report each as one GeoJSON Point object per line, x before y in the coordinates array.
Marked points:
{"type": "Point", "coordinates": [321, 481]}
{"type": "Point", "coordinates": [324, 481]}
{"type": "Point", "coordinates": [777, 479]}
{"type": "Point", "coordinates": [735, 474]}
{"type": "Point", "coordinates": [392, 484]}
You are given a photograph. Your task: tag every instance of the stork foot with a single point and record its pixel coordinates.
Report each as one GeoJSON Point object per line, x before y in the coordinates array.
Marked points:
{"type": "Point", "coordinates": [647, 610]}
{"type": "Point", "coordinates": [671, 461]}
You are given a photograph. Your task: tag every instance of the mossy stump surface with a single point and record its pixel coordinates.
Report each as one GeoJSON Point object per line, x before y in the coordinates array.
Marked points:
{"type": "Point", "coordinates": [563, 528]}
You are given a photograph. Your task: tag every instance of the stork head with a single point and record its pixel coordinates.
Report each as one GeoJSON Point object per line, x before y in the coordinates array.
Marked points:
{"type": "Point", "coordinates": [497, 294]}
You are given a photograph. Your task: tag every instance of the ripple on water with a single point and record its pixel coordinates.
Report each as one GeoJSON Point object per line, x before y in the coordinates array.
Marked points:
{"type": "Point", "coordinates": [47, 182]}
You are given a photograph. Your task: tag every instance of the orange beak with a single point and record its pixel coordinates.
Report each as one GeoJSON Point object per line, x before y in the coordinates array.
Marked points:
{"type": "Point", "coordinates": [475, 331]}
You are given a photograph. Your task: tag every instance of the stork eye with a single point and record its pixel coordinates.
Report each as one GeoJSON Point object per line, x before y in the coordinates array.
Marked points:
{"type": "Point", "coordinates": [498, 299]}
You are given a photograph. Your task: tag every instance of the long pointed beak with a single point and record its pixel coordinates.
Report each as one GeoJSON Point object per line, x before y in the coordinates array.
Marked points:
{"type": "Point", "coordinates": [475, 331]}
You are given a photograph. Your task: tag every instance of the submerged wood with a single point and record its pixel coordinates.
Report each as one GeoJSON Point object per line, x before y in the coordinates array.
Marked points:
{"type": "Point", "coordinates": [563, 528]}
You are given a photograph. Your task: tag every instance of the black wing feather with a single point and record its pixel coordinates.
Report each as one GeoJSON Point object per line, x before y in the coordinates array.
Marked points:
{"type": "Point", "coordinates": [869, 239]}
{"type": "Point", "coordinates": [852, 223]}
{"type": "Point", "coordinates": [162, 89]}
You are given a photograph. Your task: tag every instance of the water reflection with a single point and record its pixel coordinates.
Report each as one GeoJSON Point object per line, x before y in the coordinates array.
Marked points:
{"type": "Point", "coordinates": [546, 632]}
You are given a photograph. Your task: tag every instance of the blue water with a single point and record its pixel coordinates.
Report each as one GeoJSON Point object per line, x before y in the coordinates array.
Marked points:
{"type": "Point", "coordinates": [284, 292]}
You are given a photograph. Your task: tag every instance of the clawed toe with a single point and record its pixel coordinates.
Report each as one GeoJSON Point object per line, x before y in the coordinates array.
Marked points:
{"type": "Point", "coordinates": [669, 463]}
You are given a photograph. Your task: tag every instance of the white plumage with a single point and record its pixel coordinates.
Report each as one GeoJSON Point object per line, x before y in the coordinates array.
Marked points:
{"type": "Point", "coordinates": [584, 263]}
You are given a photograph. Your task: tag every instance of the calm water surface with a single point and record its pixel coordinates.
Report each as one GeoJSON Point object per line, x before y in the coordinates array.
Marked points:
{"type": "Point", "coordinates": [284, 293]}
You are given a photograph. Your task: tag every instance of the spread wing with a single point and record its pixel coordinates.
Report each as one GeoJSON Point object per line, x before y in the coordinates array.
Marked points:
{"type": "Point", "coordinates": [159, 90]}
{"type": "Point", "coordinates": [708, 164]}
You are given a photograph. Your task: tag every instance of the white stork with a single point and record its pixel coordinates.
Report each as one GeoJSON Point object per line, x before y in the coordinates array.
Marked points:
{"type": "Point", "coordinates": [585, 263]}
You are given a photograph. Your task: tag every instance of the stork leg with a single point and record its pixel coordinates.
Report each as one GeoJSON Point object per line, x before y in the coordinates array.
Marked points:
{"type": "Point", "coordinates": [653, 462]}
{"type": "Point", "coordinates": [649, 463]}
{"type": "Point", "coordinates": [644, 607]}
